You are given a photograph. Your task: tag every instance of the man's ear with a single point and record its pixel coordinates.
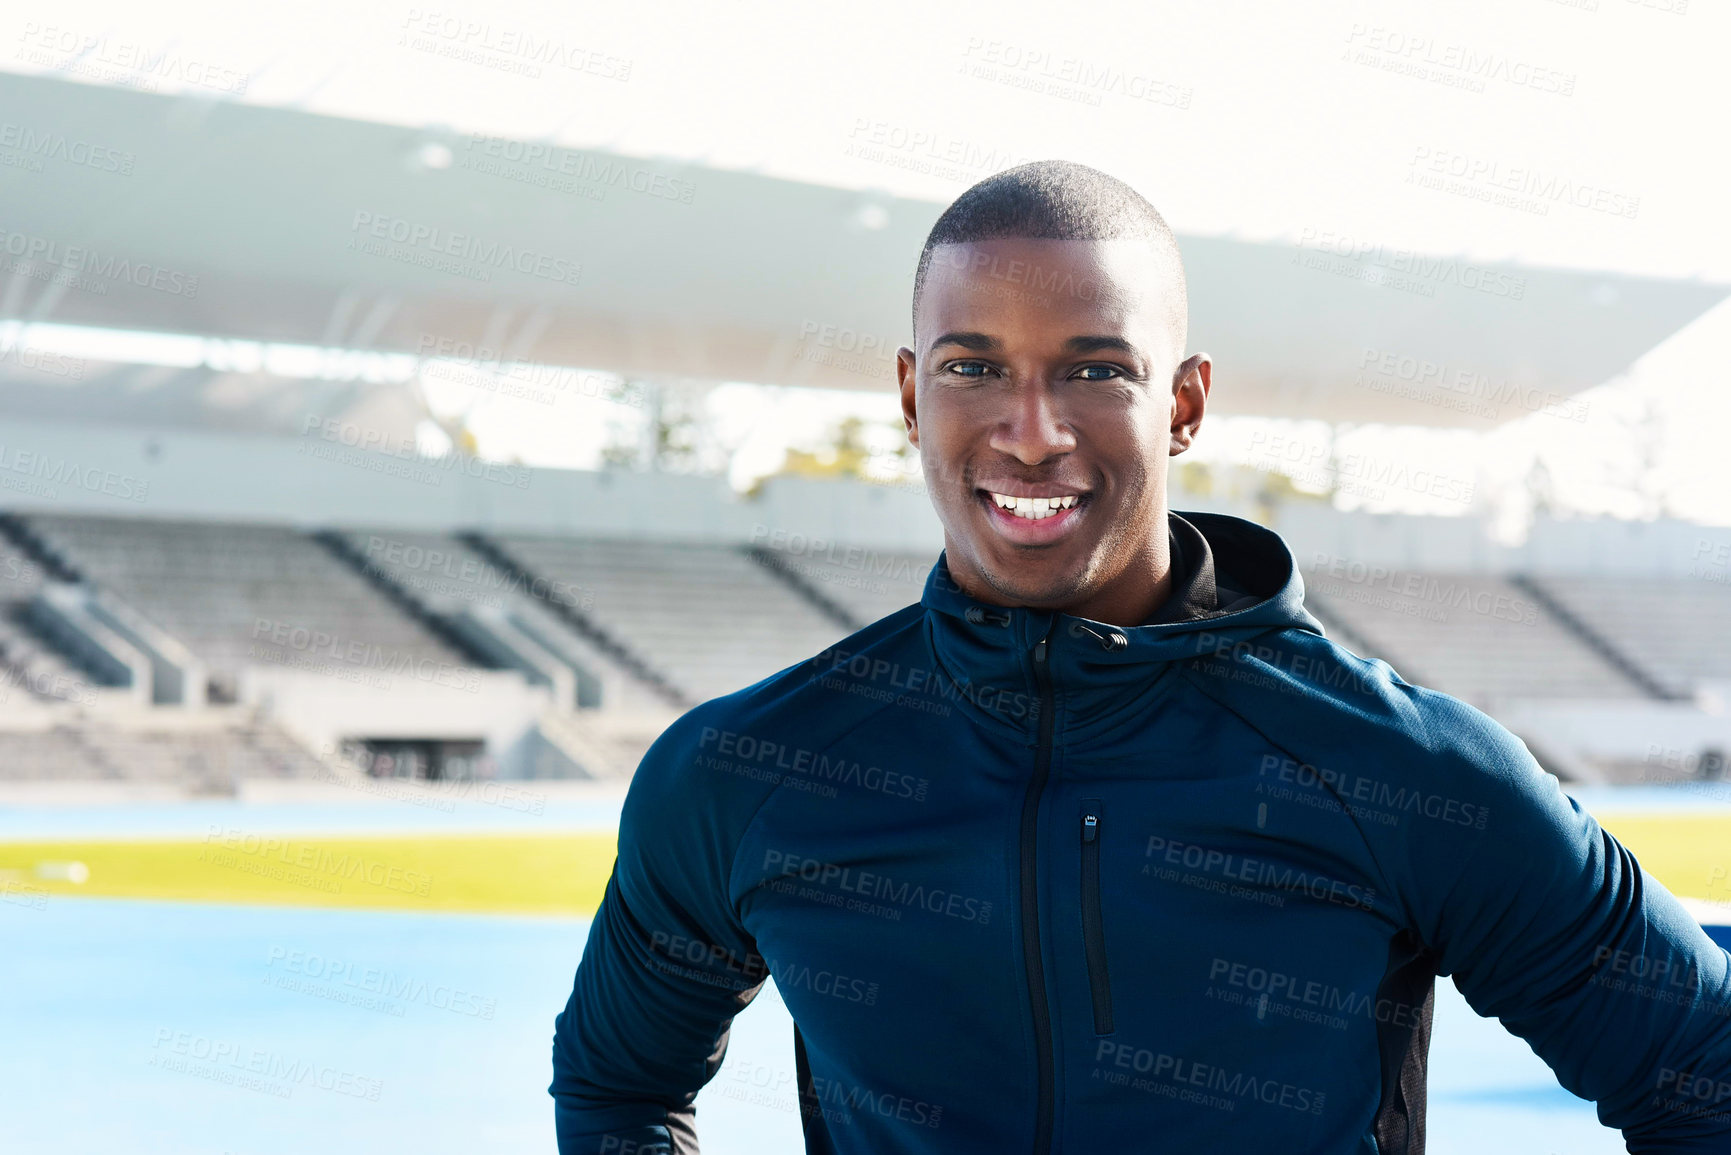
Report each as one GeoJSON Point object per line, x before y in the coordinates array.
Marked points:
{"type": "Point", "coordinates": [905, 379]}
{"type": "Point", "coordinates": [1189, 399]}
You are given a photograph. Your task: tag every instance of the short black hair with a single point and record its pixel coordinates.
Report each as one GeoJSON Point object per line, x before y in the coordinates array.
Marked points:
{"type": "Point", "coordinates": [1059, 200]}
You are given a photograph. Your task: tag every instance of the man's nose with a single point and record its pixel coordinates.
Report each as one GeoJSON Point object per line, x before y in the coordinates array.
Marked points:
{"type": "Point", "coordinates": [1033, 428]}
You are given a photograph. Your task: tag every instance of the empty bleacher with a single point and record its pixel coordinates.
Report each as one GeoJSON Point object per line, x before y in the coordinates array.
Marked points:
{"type": "Point", "coordinates": [866, 584]}
{"type": "Point", "coordinates": [665, 622]}
{"type": "Point", "coordinates": [1481, 639]}
{"type": "Point", "coordinates": [446, 575]}
{"type": "Point", "coordinates": [243, 594]}
{"type": "Point", "coordinates": [28, 665]}
{"type": "Point", "coordinates": [209, 760]}
{"type": "Point", "coordinates": [707, 617]}
{"type": "Point", "coordinates": [1678, 630]}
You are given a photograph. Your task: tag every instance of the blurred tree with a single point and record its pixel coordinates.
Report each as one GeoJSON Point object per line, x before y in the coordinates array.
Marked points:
{"type": "Point", "coordinates": [845, 454]}
{"type": "Point", "coordinates": [1276, 489]}
{"type": "Point", "coordinates": [1196, 478]}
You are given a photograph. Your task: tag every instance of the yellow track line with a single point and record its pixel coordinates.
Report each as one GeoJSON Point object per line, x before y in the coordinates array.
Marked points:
{"type": "Point", "coordinates": [546, 873]}
{"type": "Point", "coordinates": [507, 873]}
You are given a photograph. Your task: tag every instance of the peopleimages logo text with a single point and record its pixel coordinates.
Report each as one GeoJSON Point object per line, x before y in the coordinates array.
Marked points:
{"type": "Point", "coordinates": [766, 752]}
{"type": "Point", "coordinates": [1258, 872]}
{"type": "Point", "coordinates": [1420, 269]}
{"type": "Point", "coordinates": [879, 887]}
{"type": "Point", "coordinates": [83, 53]}
{"type": "Point", "coordinates": [46, 145]}
{"type": "Point", "coordinates": [1351, 788]}
{"type": "Point", "coordinates": [348, 435]}
{"type": "Point", "coordinates": [464, 247]}
{"type": "Point", "coordinates": [75, 260]}
{"type": "Point", "coordinates": [51, 470]}
{"type": "Point", "coordinates": [520, 46]}
{"type": "Point", "coordinates": [580, 167]}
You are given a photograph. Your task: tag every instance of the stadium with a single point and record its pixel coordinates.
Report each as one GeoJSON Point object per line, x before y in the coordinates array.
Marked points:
{"type": "Point", "coordinates": [365, 518]}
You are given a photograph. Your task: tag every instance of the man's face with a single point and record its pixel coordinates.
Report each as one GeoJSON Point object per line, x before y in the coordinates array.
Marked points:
{"type": "Point", "coordinates": [1045, 395]}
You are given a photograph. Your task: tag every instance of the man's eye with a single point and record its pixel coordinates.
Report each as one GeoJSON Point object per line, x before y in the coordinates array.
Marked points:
{"type": "Point", "coordinates": [1098, 372]}
{"type": "Point", "coordinates": [970, 368]}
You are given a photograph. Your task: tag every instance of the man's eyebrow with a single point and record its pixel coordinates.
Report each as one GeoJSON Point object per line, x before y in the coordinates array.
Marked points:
{"type": "Point", "coordinates": [978, 342]}
{"type": "Point", "coordinates": [1099, 344]}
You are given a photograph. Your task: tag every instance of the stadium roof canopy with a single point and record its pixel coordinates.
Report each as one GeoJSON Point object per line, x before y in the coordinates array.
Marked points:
{"type": "Point", "coordinates": [168, 213]}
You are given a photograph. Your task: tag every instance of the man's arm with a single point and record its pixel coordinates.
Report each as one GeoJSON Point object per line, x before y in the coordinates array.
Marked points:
{"type": "Point", "coordinates": [1550, 925]}
{"type": "Point", "coordinates": [665, 969]}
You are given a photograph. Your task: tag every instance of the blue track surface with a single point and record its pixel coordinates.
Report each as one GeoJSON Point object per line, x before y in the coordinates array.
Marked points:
{"type": "Point", "coordinates": [204, 1029]}
{"type": "Point", "coordinates": [116, 1011]}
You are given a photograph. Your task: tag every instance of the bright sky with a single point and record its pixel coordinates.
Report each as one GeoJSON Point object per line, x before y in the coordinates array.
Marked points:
{"type": "Point", "coordinates": [1249, 118]}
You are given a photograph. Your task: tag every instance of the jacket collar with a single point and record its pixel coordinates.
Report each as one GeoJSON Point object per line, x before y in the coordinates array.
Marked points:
{"type": "Point", "coordinates": [1232, 580]}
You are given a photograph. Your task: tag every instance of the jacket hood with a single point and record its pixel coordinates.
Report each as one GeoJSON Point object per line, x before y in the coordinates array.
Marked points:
{"type": "Point", "coordinates": [1232, 580]}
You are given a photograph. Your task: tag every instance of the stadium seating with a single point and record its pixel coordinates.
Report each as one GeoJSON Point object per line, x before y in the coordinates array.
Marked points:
{"type": "Point", "coordinates": [1482, 639]}
{"type": "Point", "coordinates": [28, 666]}
{"type": "Point", "coordinates": [446, 576]}
{"type": "Point", "coordinates": [231, 593]}
{"type": "Point", "coordinates": [661, 623]}
{"type": "Point", "coordinates": [1674, 628]}
{"type": "Point", "coordinates": [706, 616]}
{"type": "Point", "coordinates": [206, 760]}
{"type": "Point", "coordinates": [866, 584]}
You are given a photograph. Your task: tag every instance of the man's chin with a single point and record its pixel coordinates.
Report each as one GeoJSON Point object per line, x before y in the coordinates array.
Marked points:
{"type": "Point", "coordinates": [1034, 582]}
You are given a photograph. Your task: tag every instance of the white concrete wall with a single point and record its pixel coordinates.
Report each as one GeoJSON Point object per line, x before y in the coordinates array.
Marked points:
{"type": "Point", "coordinates": [496, 707]}
{"type": "Point", "coordinates": [1666, 736]}
{"type": "Point", "coordinates": [1585, 546]}
{"type": "Point", "coordinates": [316, 481]}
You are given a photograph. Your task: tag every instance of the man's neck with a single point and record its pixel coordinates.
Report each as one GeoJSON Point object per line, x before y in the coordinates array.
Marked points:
{"type": "Point", "coordinates": [1129, 598]}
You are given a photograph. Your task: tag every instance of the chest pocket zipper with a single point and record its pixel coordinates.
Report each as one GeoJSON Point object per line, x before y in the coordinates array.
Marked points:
{"type": "Point", "coordinates": [1093, 928]}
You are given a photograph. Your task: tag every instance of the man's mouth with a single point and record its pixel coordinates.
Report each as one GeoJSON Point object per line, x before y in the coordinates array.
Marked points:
{"type": "Point", "coordinates": [1033, 519]}
{"type": "Point", "coordinates": [1033, 508]}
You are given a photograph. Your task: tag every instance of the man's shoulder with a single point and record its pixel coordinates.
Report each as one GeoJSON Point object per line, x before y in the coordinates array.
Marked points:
{"type": "Point", "coordinates": [732, 745]}
{"type": "Point", "coordinates": [1422, 775]}
{"type": "Point", "coordinates": [1307, 692]}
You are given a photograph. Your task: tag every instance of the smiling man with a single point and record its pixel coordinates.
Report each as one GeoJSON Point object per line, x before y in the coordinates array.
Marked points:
{"type": "Point", "coordinates": [1103, 846]}
{"type": "Point", "coordinates": [1053, 496]}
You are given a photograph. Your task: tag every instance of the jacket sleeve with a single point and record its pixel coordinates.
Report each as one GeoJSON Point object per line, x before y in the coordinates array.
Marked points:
{"type": "Point", "coordinates": [1547, 923]}
{"type": "Point", "coordinates": [666, 966]}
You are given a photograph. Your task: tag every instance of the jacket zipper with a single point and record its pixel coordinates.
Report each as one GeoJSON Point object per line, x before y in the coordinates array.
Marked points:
{"type": "Point", "coordinates": [1031, 905]}
{"type": "Point", "coordinates": [1093, 927]}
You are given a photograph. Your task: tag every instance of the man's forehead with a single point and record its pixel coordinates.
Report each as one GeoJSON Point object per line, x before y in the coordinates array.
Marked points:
{"type": "Point", "coordinates": [1126, 257]}
{"type": "Point", "coordinates": [1112, 285]}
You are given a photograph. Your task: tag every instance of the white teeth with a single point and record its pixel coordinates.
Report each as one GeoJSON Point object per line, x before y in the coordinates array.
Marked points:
{"type": "Point", "coordinates": [1033, 508]}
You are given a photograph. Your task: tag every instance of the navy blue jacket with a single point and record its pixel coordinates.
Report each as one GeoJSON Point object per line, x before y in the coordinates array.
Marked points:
{"type": "Point", "coordinates": [1032, 883]}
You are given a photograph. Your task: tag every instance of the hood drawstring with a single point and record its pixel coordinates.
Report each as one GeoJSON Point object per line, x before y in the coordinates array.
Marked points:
{"type": "Point", "coordinates": [1111, 641]}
